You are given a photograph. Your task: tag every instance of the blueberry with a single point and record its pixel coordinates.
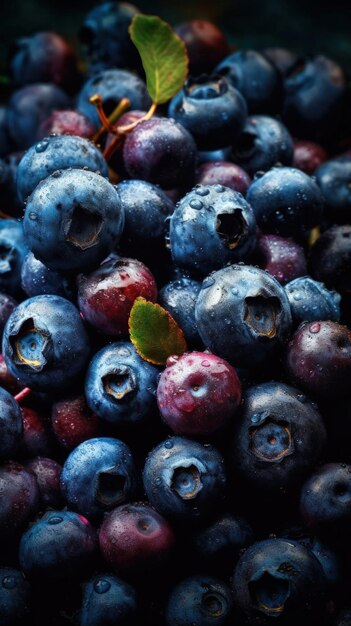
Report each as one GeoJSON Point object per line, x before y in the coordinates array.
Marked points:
{"type": "Point", "coordinates": [282, 58]}
{"type": "Point", "coordinates": [45, 344]}
{"type": "Point", "coordinates": [286, 201]}
{"type": "Point", "coordinates": [28, 107]}
{"type": "Point", "coordinates": [311, 301]}
{"type": "Point", "coordinates": [326, 497]}
{"type": "Point", "coordinates": [223, 173]}
{"type": "Point", "coordinates": [44, 57]}
{"type": "Point", "coordinates": [278, 437]}
{"type": "Point", "coordinates": [211, 226]}
{"type": "Point", "coordinates": [199, 601]}
{"type": "Point", "coordinates": [36, 439]}
{"type": "Point", "coordinates": [206, 45]}
{"type": "Point", "coordinates": [185, 480]}
{"type": "Point", "coordinates": [243, 315]}
{"type": "Point", "coordinates": [57, 153]}
{"type": "Point", "coordinates": [13, 250]}
{"type": "Point", "coordinates": [11, 425]}
{"type": "Point", "coordinates": [283, 258]}
{"type": "Point", "coordinates": [37, 279]}
{"type": "Point", "coordinates": [334, 179]}
{"type": "Point", "coordinates": [7, 305]}
{"type": "Point", "coordinates": [66, 122]}
{"type": "Point", "coordinates": [105, 37]}
{"type": "Point", "coordinates": [106, 296]}
{"type": "Point", "coordinates": [108, 601]}
{"type": "Point", "coordinates": [135, 537]}
{"type": "Point", "coordinates": [255, 77]}
{"type": "Point", "coordinates": [112, 85]}
{"type": "Point", "coordinates": [330, 258]}
{"type": "Point", "coordinates": [98, 475]}
{"type": "Point", "coordinates": [211, 109]}
{"type": "Point", "coordinates": [47, 472]}
{"type": "Point", "coordinates": [263, 143]}
{"type": "Point", "coordinates": [179, 297]}
{"type": "Point", "coordinates": [198, 393]}
{"type": "Point", "coordinates": [318, 358]}
{"type": "Point", "coordinates": [160, 151]}
{"type": "Point", "coordinates": [73, 422]}
{"type": "Point", "coordinates": [278, 579]}
{"type": "Point", "coordinates": [60, 545]}
{"type": "Point", "coordinates": [314, 91]}
{"type": "Point", "coordinates": [14, 597]}
{"type": "Point", "coordinates": [308, 155]}
{"type": "Point", "coordinates": [73, 220]}
{"type": "Point", "coordinates": [19, 499]}
{"type": "Point", "coordinates": [120, 385]}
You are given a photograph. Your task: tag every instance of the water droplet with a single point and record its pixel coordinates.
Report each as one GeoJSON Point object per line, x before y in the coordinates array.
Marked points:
{"type": "Point", "coordinates": [315, 328]}
{"type": "Point", "coordinates": [196, 204]}
{"type": "Point", "coordinates": [102, 585]}
{"type": "Point", "coordinates": [169, 444]}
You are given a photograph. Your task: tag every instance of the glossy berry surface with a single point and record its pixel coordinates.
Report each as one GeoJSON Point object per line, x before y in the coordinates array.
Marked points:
{"type": "Point", "coordinates": [205, 43]}
{"type": "Point", "coordinates": [108, 601]}
{"type": "Point", "coordinates": [278, 577]}
{"type": "Point", "coordinates": [36, 438]}
{"type": "Point", "coordinates": [311, 301]}
{"type": "Point", "coordinates": [278, 436]}
{"type": "Point", "coordinates": [135, 536]}
{"type": "Point", "coordinates": [211, 109]}
{"type": "Point", "coordinates": [326, 496]}
{"type": "Point", "coordinates": [45, 343]}
{"type": "Point", "coordinates": [179, 298]}
{"type": "Point", "coordinates": [13, 250]}
{"type": "Point", "coordinates": [55, 153]}
{"type": "Point", "coordinates": [243, 315]}
{"type": "Point", "coordinates": [73, 220]}
{"type": "Point", "coordinates": [98, 475]}
{"type": "Point", "coordinates": [37, 279]}
{"type": "Point", "coordinates": [199, 601]}
{"type": "Point", "coordinates": [73, 422]}
{"type": "Point", "coordinates": [211, 226]}
{"type": "Point", "coordinates": [263, 143]}
{"type": "Point", "coordinates": [223, 173]}
{"type": "Point", "coordinates": [120, 386]}
{"type": "Point", "coordinates": [19, 500]}
{"type": "Point", "coordinates": [47, 472]}
{"type": "Point", "coordinates": [66, 123]}
{"type": "Point", "coordinates": [106, 296]}
{"type": "Point", "coordinates": [319, 358]}
{"type": "Point", "coordinates": [330, 258]}
{"type": "Point", "coordinates": [281, 257]}
{"type": "Point", "coordinates": [160, 151]}
{"type": "Point", "coordinates": [7, 304]}
{"type": "Point", "coordinates": [308, 156]}
{"type": "Point", "coordinates": [184, 479]}
{"type": "Point", "coordinates": [219, 544]}
{"type": "Point", "coordinates": [198, 393]}
{"type": "Point", "coordinates": [334, 179]}
{"type": "Point", "coordinates": [11, 425]}
{"type": "Point", "coordinates": [60, 544]}
{"type": "Point", "coordinates": [286, 201]}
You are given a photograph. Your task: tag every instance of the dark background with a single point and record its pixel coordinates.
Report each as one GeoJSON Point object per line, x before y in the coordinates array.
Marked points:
{"type": "Point", "coordinates": [302, 25]}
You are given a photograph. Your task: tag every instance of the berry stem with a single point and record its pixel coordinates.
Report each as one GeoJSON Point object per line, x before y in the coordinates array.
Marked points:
{"type": "Point", "coordinates": [122, 107]}
{"type": "Point", "coordinates": [23, 394]}
{"type": "Point", "coordinates": [147, 116]}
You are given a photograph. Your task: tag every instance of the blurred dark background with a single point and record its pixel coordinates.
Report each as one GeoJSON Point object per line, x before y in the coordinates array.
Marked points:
{"type": "Point", "coordinates": [302, 25]}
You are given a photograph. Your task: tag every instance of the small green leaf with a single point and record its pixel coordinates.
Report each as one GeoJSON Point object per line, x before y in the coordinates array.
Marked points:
{"type": "Point", "coordinates": [163, 55]}
{"type": "Point", "coordinates": [154, 332]}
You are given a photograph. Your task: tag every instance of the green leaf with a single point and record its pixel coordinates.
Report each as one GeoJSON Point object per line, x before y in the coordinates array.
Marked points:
{"type": "Point", "coordinates": [154, 332]}
{"type": "Point", "coordinates": [163, 55]}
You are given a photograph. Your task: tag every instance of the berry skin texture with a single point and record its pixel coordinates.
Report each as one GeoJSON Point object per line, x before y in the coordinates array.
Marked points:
{"type": "Point", "coordinates": [211, 110]}
{"type": "Point", "coordinates": [112, 85]}
{"type": "Point", "coordinates": [120, 386]}
{"type": "Point", "coordinates": [37, 279]}
{"type": "Point", "coordinates": [278, 577]}
{"type": "Point", "coordinates": [198, 393]}
{"type": "Point", "coordinates": [66, 123]}
{"type": "Point", "coordinates": [36, 439]}
{"type": "Point", "coordinates": [73, 220]}
{"type": "Point", "coordinates": [14, 597]}
{"type": "Point", "coordinates": [318, 358]}
{"type": "Point", "coordinates": [56, 153]}
{"type": "Point", "coordinates": [45, 344]}
{"type": "Point", "coordinates": [286, 202]}
{"type": "Point", "coordinates": [311, 301]}
{"type": "Point", "coordinates": [106, 296]}
{"type": "Point", "coordinates": [206, 45]}
{"type": "Point", "coordinates": [211, 226]}
{"type": "Point", "coordinates": [282, 258]}
{"type": "Point", "coordinates": [330, 258]}
{"type": "Point", "coordinates": [185, 480]}
{"type": "Point", "coordinates": [278, 437]}
{"type": "Point", "coordinates": [135, 537]}
{"type": "Point", "coordinates": [179, 297]}
{"type": "Point", "coordinates": [326, 498]}
{"type": "Point", "coordinates": [19, 499]}
{"type": "Point", "coordinates": [60, 545]}
{"type": "Point", "coordinates": [7, 305]}
{"type": "Point", "coordinates": [199, 601]}
{"type": "Point", "coordinates": [13, 250]}
{"type": "Point", "coordinates": [11, 425]}
{"type": "Point", "coordinates": [223, 173]}
{"type": "Point", "coordinates": [334, 179]}
{"type": "Point", "coordinates": [73, 422]}
{"type": "Point", "coordinates": [243, 315]}
{"type": "Point", "coordinates": [98, 475]}
{"type": "Point", "coordinates": [308, 156]}
{"type": "Point", "coordinates": [47, 472]}
{"type": "Point", "coordinates": [108, 601]}
{"type": "Point", "coordinates": [160, 151]}
{"type": "Point", "coordinates": [263, 143]}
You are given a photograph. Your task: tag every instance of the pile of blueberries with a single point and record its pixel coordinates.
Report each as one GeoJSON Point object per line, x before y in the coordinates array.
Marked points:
{"type": "Point", "coordinates": [216, 489]}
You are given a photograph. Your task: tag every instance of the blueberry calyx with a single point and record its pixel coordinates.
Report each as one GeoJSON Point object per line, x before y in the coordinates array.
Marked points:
{"type": "Point", "coordinates": [270, 593]}
{"type": "Point", "coordinates": [110, 491]}
{"type": "Point", "coordinates": [120, 384]}
{"type": "Point", "coordinates": [271, 441]}
{"type": "Point", "coordinates": [186, 481]}
{"type": "Point", "coordinates": [205, 87]}
{"type": "Point", "coordinates": [261, 313]}
{"type": "Point", "coordinates": [231, 227]}
{"type": "Point", "coordinates": [83, 228]}
{"type": "Point", "coordinates": [213, 603]}
{"type": "Point", "coordinates": [30, 346]}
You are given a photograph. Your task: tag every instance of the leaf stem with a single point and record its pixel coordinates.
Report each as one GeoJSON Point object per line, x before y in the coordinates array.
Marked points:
{"type": "Point", "coordinates": [148, 115]}
{"type": "Point", "coordinates": [108, 122]}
